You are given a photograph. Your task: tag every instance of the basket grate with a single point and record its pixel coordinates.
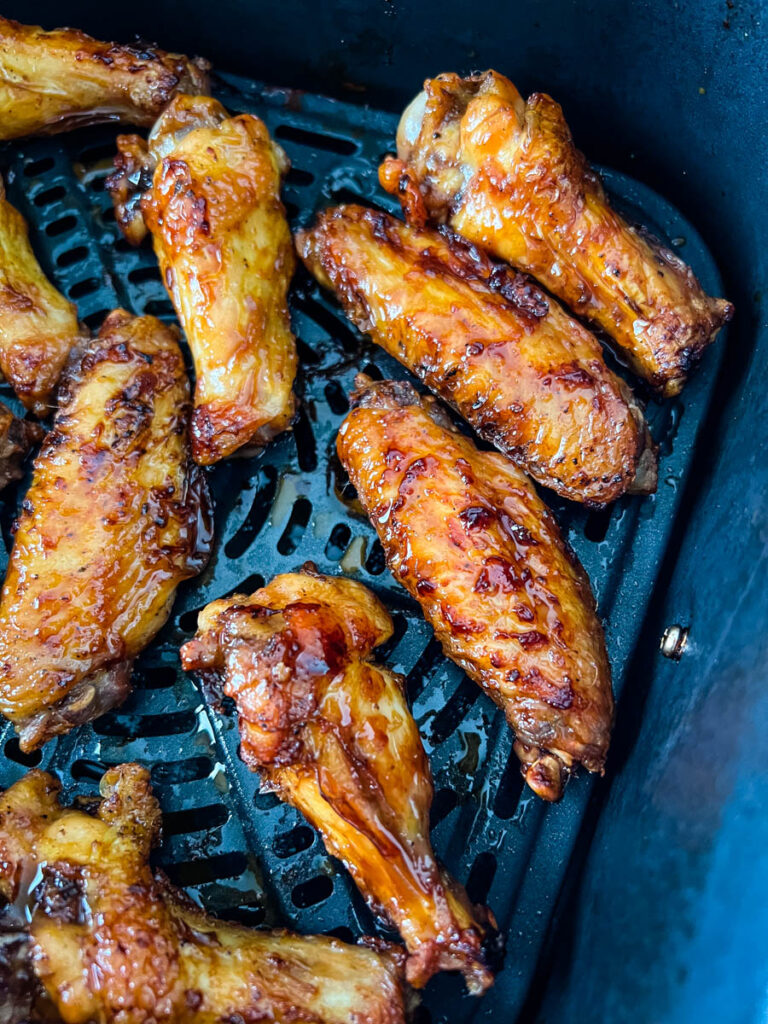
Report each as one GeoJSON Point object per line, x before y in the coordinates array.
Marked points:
{"type": "Point", "coordinates": [242, 853]}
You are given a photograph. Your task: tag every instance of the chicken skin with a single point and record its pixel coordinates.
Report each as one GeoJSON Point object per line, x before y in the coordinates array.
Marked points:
{"type": "Point", "coordinates": [506, 175]}
{"type": "Point", "coordinates": [111, 940]}
{"type": "Point", "coordinates": [212, 204]}
{"type": "Point", "coordinates": [16, 439]}
{"type": "Point", "coordinates": [331, 733]}
{"type": "Point", "coordinates": [38, 326]}
{"type": "Point", "coordinates": [116, 517]}
{"type": "Point", "coordinates": [54, 81]}
{"type": "Point", "coordinates": [465, 532]}
{"type": "Point", "coordinates": [529, 379]}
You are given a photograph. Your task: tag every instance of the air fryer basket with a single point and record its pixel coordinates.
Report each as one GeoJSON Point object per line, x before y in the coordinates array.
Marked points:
{"type": "Point", "coordinates": [241, 853]}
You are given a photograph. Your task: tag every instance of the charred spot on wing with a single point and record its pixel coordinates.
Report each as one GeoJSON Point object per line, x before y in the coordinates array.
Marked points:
{"type": "Point", "coordinates": [384, 394]}
{"type": "Point", "coordinates": [520, 291]}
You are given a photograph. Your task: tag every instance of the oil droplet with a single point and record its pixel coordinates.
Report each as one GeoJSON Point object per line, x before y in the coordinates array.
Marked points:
{"type": "Point", "coordinates": [322, 523]}
{"type": "Point", "coordinates": [468, 763]}
{"type": "Point", "coordinates": [354, 557]}
{"type": "Point", "coordinates": [219, 778]}
{"type": "Point", "coordinates": [521, 811]}
{"type": "Point", "coordinates": [87, 172]}
{"type": "Point", "coordinates": [285, 498]}
{"type": "Point", "coordinates": [204, 731]}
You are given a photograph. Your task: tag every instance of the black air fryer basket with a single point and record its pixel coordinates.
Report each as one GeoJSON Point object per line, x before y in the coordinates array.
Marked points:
{"type": "Point", "coordinates": [241, 853]}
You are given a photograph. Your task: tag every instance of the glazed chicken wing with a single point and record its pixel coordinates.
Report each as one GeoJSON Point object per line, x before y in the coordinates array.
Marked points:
{"type": "Point", "coordinates": [468, 536]}
{"type": "Point", "coordinates": [529, 378]}
{"type": "Point", "coordinates": [212, 204]}
{"type": "Point", "coordinates": [53, 81]}
{"type": "Point", "coordinates": [112, 941]}
{"type": "Point", "coordinates": [332, 734]}
{"type": "Point", "coordinates": [38, 326]}
{"type": "Point", "coordinates": [115, 518]}
{"type": "Point", "coordinates": [16, 438]}
{"type": "Point", "coordinates": [505, 173]}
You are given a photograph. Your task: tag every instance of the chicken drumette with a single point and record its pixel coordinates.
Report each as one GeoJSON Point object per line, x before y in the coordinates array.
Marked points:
{"type": "Point", "coordinates": [207, 186]}
{"type": "Point", "coordinates": [111, 940]}
{"type": "Point", "coordinates": [331, 732]}
{"type": "Point", "coordinates": [53, 81]}
{"type": "Point", "coordinates": [505, 174]}
{"type": "Point", "coordinates": [38, 326]}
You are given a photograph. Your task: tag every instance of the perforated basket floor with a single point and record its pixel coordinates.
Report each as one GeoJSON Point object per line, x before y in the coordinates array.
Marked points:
{"type": "Point", "coordinates": [243, 854]}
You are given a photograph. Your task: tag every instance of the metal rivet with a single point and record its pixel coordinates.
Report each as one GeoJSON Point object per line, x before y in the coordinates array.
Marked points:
{"type": "Point", "coordinates": [674, 640]}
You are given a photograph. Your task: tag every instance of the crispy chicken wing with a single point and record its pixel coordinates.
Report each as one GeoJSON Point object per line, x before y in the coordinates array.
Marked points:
{"type": "Point", "coordinates": [38, 326]}
{"type": "Point", "coordinates": [53, 81]}
{"type": "Point", "coordinates": [505, 173]}
{"type": "Point", "coordinates": [115, 518]}
{"type": "Point", "coordinates": [112, 941]}
{"type": "Point", "coordinates": [224, 246]}
{"type": "Point", "coordinates": [468, 536]}
{"type": "Point", "coordinates": [16, 438]}
{"type": "Point", "coordinates": [331, 732]}
{"type": "Point", "coordinates": [529, 378]}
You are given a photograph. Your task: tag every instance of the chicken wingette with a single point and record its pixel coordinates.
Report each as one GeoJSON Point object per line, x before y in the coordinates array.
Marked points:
{"type": "Point", "coordinates": [208, 188]}
{"type": "Point", "coordinates": [16, 439]}
{"type": "Point", "coordinates": [111, 940]}
{"type": "Point", "coordinates": [54, 81]}
{"type": "Point", "coordinates": [116, 516]}
{"type": "Point", "coordinates": [506, 175]}
{"type": "Point", "coordinates": [331, 733]}
{"type": "Point", "coordinates": [38, 326]}
{"type": "Point", "coordinates": [528, 377]}
{"type": "Point", "coordinates": [465, 532]}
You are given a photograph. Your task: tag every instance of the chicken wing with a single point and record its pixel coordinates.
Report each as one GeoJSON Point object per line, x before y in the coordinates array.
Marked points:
{"type": "Point", "coordinates": [115, 518]}
{"type": "Point", "coordinates": [504, 173]}
{"type": "Point", "coordinates": [224, 247]}
{"type": "Point", "coordinates": [332, 734]}
{"type": "Point", "coordinates": [38, 326]}
{"type": "Point", "coordinates": [112, 941]}
{"type": "Point", "coordinates": [527, 377]}
{"type": "Point", "coordinates": [16, 438]}
{"type": "Point", "coordinates": [465, 532]}
{"type": "Point", "coordinates": [53, 81]}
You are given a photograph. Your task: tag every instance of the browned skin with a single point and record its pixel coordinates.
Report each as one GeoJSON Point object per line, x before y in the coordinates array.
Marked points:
{"type": "Point", "coordinates": [113, 941]}
{"type": "Point", "coordinates": [505, 173]}
{"type": "Point", "coordinates": [331, 732]}
{"type": "Point", "coordinates": [529, 379]}
{"type": "Point", "coordinates": [137, 158]}
{"type": "Point", "coordinates": [465, 532]}
{"type": "Point", "coordinates": [54, 81]}
{"type": "Point", "coordinates": [38, 326]}
{"type": "Point", "coordinates": [116, 517]}
{"type": "Point", "coordinates": [225, 253]}
{"type": "Point", "coordinates": [16, 439]}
